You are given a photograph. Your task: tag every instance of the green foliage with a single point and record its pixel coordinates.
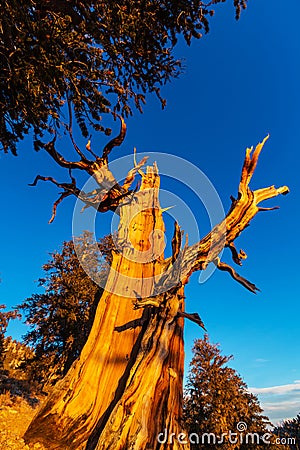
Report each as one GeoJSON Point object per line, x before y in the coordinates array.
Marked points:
{"type": "Point", "coordinates": [290, 429]}
{"type": "Point", "coordinates": [61, 318]}
{"type": "Point", "coordinates": [95, 56]}
{"type": "Point", "coordinates": [217, 399]}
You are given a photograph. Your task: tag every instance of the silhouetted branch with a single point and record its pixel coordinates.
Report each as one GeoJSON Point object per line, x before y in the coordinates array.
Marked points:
{"type": "Point", "coordinates": [115, 142]}
{"type": "Point", "coordinates": [268, 209]}
{"type": "Point", "coordinates": [61, 161]}
{"type": "Point", "coordinates": [236, 256]}
{"type": "Point", "coordinates": [194, 317]}
{"type": "Point", "coordinates": [69, 189]}
{"type": "Point", "coordinates": [56, 203]}
{"type": "Point", "coordinates": [225, 267]}
{"type": "Point", "coordinates": [132, 324]}
{"type": "Point", "coordinates": [110, 193]}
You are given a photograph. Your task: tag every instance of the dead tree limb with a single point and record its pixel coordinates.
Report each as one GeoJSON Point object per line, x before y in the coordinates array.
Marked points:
{"type": "Point", "coordinates": [115, 142]}
{"type": "Point", "coordinates": [176, 241]}
{"type": "Point", "coordinates": [126, 386]}
{"type": "Point", "coordinates": [194, 317]}
{"type": "Point", "coordinates": [242, 211]}
{"type": "Point", "coordinates": [236, 256]}
{"type": "Point", "coordinates": [227, 268]}
{"type": "Point", "coordinates": [110, 193]}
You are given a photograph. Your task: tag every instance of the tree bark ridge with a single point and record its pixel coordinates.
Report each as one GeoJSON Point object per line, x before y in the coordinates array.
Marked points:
{"type": "Point", "coordinates": [126, 387]}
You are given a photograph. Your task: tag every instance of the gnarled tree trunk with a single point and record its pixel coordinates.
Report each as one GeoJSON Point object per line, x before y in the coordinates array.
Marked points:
{"type": "Point", "coordinates": [133, 359]}
{"type": "Point", "coordinates": [125, 390]}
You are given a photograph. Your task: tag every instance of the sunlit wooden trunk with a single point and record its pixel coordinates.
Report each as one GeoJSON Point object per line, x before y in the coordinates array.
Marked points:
{"type": "Point", "coordinates": [126, 387]}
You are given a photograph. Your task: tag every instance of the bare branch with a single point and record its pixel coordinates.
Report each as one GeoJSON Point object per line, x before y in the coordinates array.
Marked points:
{"type": "Point", "coordinates": [130, 325]}
{"type": "Point", "coordinates": [69, 189]}
{"type": "Point", "coordinates": [176, 242]}
{"type": "Point", "coordinates": [249, 165]}
{"type": "Point", "coordinates": [88, 147]}
{"type": "Point", "coordinates": [131, 174]}
{"type": "Point", "coordinates": [115, 142]}
{"type": "Point", "coordinates": [110, 193]}
{"type": "Point", "coordinates": [91, 167]}
{"type": "Point", "coordinates": [268, 209]}
{"type": "Point", "coordinates": [236, 256]}
{"type": "Point", "coordinates": [136, 165]}
{"type": "Point", "coordinates": [194, 317]}
{"type": "Point", "coordinates": [242, 211]}
{"type": "Point", "coordinates": [56, 203]}
{"type": "Point", "coordinates": [225, 267]}
{"type": "Point", "coordinates": [61, 161]}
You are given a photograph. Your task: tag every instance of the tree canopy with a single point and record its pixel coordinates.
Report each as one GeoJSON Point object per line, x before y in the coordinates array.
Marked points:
{"type": "Point", "coordinates": [88, 58]}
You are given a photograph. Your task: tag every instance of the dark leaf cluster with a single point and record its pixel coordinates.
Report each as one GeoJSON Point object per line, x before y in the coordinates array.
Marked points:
{"type": "Point", "coordinates": [99, 57]}
{"type": "Point", "coordinates": [289, 430]}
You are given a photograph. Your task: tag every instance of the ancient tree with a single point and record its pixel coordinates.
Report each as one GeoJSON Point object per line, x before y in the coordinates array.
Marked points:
{"type": "Point", "coordinates": [86, 59]}
{"type": "Point", "coordinates": [126, 386]}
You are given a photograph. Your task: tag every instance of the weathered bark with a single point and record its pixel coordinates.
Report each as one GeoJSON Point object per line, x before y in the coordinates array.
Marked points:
{"type": "Point", "coordinates": [152, 401]}
{"type": "Point", "coordinates": [82, 402]}
{"type": "Point", "coordinates": [126, 387]}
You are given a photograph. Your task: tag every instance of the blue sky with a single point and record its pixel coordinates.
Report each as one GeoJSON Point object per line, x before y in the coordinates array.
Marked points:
{"type": "Point", "coordinates": [240, 83]}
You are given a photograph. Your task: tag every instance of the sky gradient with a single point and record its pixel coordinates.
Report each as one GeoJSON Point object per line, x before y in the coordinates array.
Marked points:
{"type": "Point", "coordinates": [240, 82]}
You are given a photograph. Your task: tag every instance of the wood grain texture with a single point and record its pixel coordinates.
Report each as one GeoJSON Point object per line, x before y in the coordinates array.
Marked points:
{"type": "Point", "coordinates": [126, 387]}
{"type": "Point", "coordinates": [80, 405]}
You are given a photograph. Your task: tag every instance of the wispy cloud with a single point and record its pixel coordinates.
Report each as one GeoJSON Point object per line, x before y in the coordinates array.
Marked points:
{"type": "Point", "coordinates": [282, 389]}
{"type": "Point", "coordinates": [281, 406]}
{"type": "Point", "coordinates": [279, 402]}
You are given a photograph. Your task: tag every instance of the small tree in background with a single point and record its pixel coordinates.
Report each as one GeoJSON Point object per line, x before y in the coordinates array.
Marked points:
{"type": "Point", "coordinates": [61, 318]}
{"type": "Point", "coordinates": [290, 429]}
{"type": "Point", "coordinates": [217, 401]}
{"type": "Point", "coordinates": [5, 317]}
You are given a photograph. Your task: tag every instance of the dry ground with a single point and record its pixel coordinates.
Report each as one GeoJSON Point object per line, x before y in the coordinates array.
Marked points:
{"type": "Point", "coordinates": [15, 416]}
